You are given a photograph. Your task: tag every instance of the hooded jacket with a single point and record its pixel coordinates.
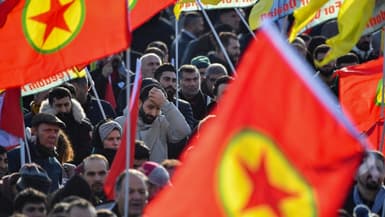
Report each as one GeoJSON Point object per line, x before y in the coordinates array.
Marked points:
{"type": "Point", "coordinates": [169, 127]}
{"type": "Point", "coordinates": [78, 128]}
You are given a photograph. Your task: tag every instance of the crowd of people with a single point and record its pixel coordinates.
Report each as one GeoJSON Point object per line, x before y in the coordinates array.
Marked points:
{"type": "Point", "coordinates": [73, 134]}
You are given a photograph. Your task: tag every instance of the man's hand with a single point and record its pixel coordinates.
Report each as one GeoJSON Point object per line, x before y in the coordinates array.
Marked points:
{"type": "Point", "coordinates": [157, 96]}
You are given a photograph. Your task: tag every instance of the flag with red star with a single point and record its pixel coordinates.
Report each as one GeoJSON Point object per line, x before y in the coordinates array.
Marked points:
{"type": "Point", "coordinates": [360, 90]}
{"type": "Point", "coordinates": [40, 38]}
{"type": "Point", "coordinates": [282, 149]}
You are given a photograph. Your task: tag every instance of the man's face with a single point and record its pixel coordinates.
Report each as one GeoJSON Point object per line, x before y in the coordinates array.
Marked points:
{"type": "Point", "coordinates": [3, 164]}
{"type": "Point", "coordinates": [190, 84]}
{"type": "Point", "coordinates": [371, 174]}
{"type": "Point", "coordinates": [62, 105]}
{"type": "Point", "coordinates": [149, 111]}
{"type": "Point", "coordinates": [210, 81]}
{"type": "Point", "coordinates": [34, 210]}
{"type": "Point", "coordinates": [231, 18]}
{"type": "Point", "coordinates": [138, 195]}
{"type": "Point", "coordinates": [168, 82]}
{"type": "Point", "coordinates": [95, 172]}
{"type": "Point", "coordinates": [234, 50]}
{"type": "Point", "coordinates": [149, 65]}
{"type": "Point", "coordinates": [112, 141]}
{"type": "Point", "coordinates": [47, 134]}
{"type": "Point", "coordinates": [199, 26]}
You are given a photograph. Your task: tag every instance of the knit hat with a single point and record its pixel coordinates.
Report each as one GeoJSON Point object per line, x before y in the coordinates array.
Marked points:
{"type": "Point", "coordinates": [200, 61]}
{"type": "Point", "coordinates": [107, 127]}
{"type": "Point", "coordinates": [155, 173]}
{"type": "Point", "coordinates": [33, 176]}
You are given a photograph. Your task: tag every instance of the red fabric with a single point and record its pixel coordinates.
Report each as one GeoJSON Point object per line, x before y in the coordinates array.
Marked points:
{"type": "Point", "coordinates": [358, 89]}
{"type": "Point", "coordinates": [110, 97]}
{"type": "Point", "coordinates": [119, 163]}
{"type": "Point", "coordinates": [144, 10]}
{"type": "Point", "coordinates": [228, 169]}
{"type": "Point", "coordinates": [11, 119]}
{"type": "Point", "coordinates": [104, 31]}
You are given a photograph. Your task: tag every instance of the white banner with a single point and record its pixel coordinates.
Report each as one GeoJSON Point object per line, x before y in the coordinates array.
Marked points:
{"type": "Point", "coordinates": [223, 4]}
{"type": "Point", "coordinates": [51, 82]}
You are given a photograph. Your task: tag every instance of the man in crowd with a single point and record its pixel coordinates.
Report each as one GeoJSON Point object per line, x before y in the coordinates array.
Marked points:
{"type": "Point", "coordinates": [90, 103]}
{"type": "Point", "coordinates": [137, 194]}
{"type": "Point", "coordinates": [159, 122]}
{"type": "Point", "coordinates": [78, 128]}
{"type": "Point", "coordinates": [213, 72]}
{"type": "Point", "coordinates": [190, 90]}
{"type": "Point", "coordinates": [81, 208]}
{"type": "Point", "coordinates": [233, 49]}
{"type": "Point", "coordinates": [45, 133]}
{"type": "Point", "coordinates": [95, 171]}
{"type": "Point", "coordinates": [150, 62]}
{"type": "Point", "coordinates": [369, 189]}
{"type": "Point", "coordinates": [193, 27]}
{"type": "Point", "coordinates": [31, 203]}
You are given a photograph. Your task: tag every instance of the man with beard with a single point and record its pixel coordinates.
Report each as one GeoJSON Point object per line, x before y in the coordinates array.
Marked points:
{"type": "Point", "coordinates": [326, 72]}
{"type": "Point", "coordinates": [95, 171]}
{"type": "Point", "coordinates": [233, 49]}
{"type": "Point", "coordinates": [190, 90]}
{"type": "Point", "coordinates": [159, 122]}
{"type": "Point", "coordinates": [45, 134]}
{"type": "Point", "coordinates": [3, 162]}
{"type": "Point", "coordinates": [166, 75]}
{"type": "Point", "coordinates": [69, 110]}
{"type": "Point", "coordinates": [369, 189]}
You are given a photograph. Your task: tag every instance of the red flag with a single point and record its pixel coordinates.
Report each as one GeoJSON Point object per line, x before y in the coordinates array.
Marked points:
{"type": "Point", "coordinates": [119, 163]}
{"type": "Point", "coordinates": [360, 96]}
{"type": "Point", "coordinates": [271, 152]}
{"type": "Point", "coordinates": [142, 10]}
{"type": "Point", "coordinates": [11, 119]}
{"type": "Point", "coordinates": [110, 97]}
{"type": "Point", "coordinates": [44, 37]}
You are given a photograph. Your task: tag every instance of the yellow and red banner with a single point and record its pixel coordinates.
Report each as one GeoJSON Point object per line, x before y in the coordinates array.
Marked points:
{"type": "Point", "coordinates": [276, 158]}
{"type": "Point", "coordinates": [40, 38]}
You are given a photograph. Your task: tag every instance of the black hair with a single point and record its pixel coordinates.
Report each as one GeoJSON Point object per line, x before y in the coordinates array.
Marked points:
{"type": "Point", "coordinates": [29, 195]}
{"type": "Point", "coordinates": [221, 80]}
{"type": "Point", "coordinates": [58, 93]}
{"type": "Point", "coordinates": [145, 91]}
{"type": "Point", "coordinates": [163, 68]}
{"type": "Point", "coordinates": [142, 151]}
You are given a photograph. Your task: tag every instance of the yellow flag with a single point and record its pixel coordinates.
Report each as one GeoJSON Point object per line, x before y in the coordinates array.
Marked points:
{"type": "Point", "coordinates": [304, 15]}
{"type": "Point", "coordinates": [352, 19]}
{"type": "Point", "coordinates": [178, 5]}
{"type": "Point", "coordinates": [263, 6]}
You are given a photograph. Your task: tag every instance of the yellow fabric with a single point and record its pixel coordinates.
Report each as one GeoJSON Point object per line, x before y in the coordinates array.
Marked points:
{"type": "Point", "coordinates": [263, 6]}
{"type": "Point", "coordinates": [178, 5]}
{"type": "Point", "coordinates": [304, 15]}
{"type": "Point", "coordinates": [352, 19]}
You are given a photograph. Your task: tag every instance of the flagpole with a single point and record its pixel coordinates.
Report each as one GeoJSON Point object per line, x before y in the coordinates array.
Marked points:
{"type": "Point", "coordinates": [176, 61]}
{"type": "Point", "coordinates": [95, 93]}
{"type": "Point", "coordinates": [216, 36]}
{"type": "Point", "coordinates": [244, 21]}
{"type": "Point", "coordinates": [382, 101]}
